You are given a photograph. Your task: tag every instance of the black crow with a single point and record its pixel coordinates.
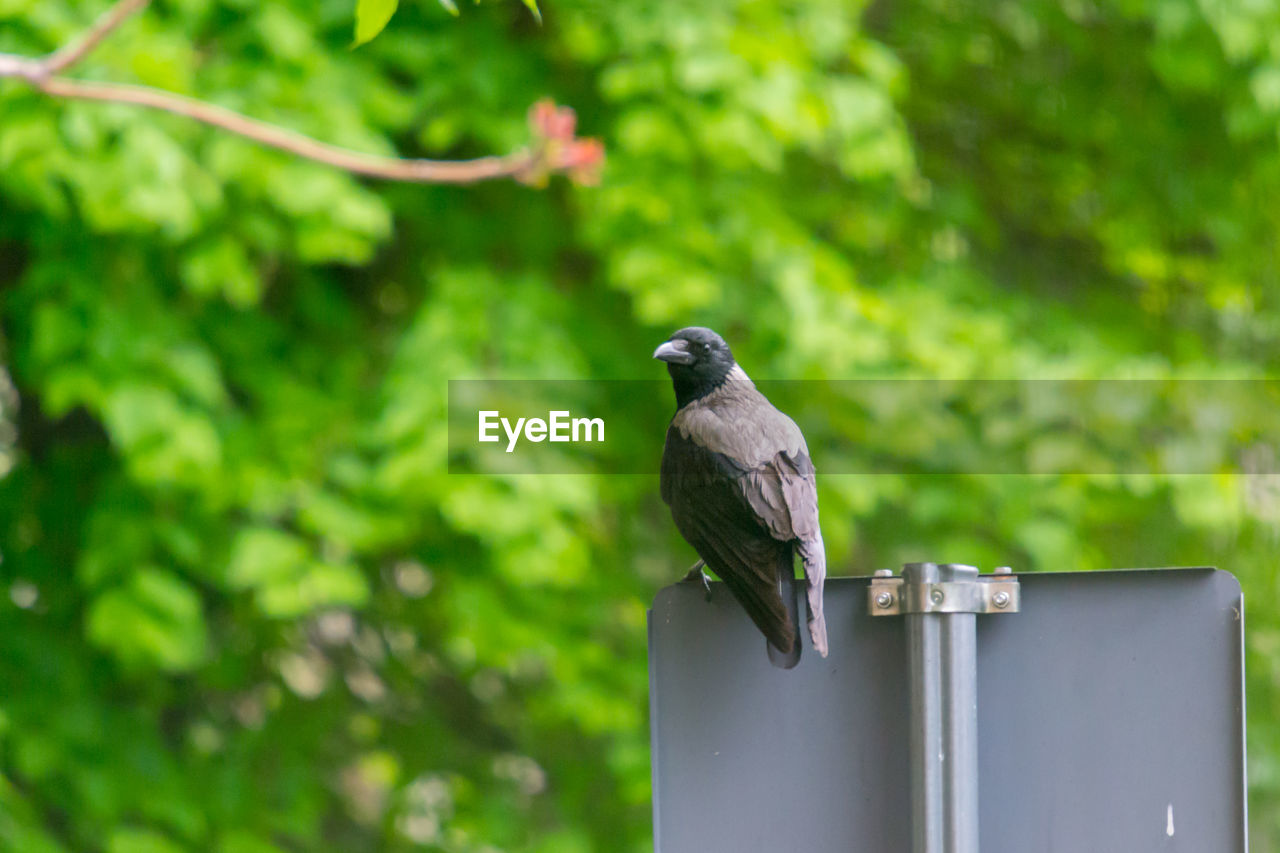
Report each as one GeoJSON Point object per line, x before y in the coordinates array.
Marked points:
{"type": "Point", "coordinates": [738, 478]}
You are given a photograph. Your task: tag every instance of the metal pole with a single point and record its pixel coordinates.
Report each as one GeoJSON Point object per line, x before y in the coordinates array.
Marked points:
{"type": "Point", "coordinates": [942, 662]}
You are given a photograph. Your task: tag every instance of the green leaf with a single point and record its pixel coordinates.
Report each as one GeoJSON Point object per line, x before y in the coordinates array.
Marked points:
{"type": "Point", "coordinates": [243, 841]}
{"type": "Point", "coordinates": [450, 7]}
{"type": "Point", "coordinates": [287, 580]}
{"type": "Point", "coordinates": [372, 17]}
{"type": "Point", "coordinates": [155, 619]}
{"type": "Point", "coordinates": [320, 585]}
{"type": "Point", "coordinates": [140, 841]}
{"type": "Point", "coordinates": [264, 555]}
{"type": "Point", "coordinates": [532, 6]}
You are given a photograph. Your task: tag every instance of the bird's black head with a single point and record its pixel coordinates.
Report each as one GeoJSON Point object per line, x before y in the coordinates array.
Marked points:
{"type": "Point", "coordinates": [698, 360]}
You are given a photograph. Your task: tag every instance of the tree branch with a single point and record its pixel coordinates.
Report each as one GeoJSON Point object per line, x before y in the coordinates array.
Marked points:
{"type": "Point", "coordinates": [274, 136]}
{"type": "Point", "coordinates": [555, 148]}
{"type": "Point", "coordinates": [68, 55]}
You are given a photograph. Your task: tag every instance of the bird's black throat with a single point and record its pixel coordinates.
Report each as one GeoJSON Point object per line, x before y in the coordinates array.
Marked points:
{"type": "Point", "coordinates": [693, 384]}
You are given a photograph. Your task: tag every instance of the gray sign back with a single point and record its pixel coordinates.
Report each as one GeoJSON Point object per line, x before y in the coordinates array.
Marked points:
{"type": "Point", "coordinates": [1111, 720]}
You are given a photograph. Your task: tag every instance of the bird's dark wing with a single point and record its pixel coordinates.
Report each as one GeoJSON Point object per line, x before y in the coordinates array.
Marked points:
{"type": "Point", "coordinates": [784, 496]}
{"type": "Point", "coordinates": [707, 493]}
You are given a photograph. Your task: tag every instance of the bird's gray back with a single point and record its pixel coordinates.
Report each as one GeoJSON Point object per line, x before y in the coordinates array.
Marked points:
{"type": "Point", "coordinates": [738, 421]}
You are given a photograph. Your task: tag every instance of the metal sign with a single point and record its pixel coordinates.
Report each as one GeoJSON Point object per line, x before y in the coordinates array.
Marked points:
{"type": "Point", "coordinates": [1110, 718]}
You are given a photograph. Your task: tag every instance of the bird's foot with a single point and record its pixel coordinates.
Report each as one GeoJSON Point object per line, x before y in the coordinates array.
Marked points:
{"type": "Point", "coordinates": [699, 574]}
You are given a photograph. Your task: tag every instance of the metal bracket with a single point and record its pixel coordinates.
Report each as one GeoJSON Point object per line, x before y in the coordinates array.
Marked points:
{"type": "Point", "coordinates": [891, 596]}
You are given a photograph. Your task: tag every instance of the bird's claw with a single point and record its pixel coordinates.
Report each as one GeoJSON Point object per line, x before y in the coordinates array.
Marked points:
{"type": "Point", "coordinates": [699, 574]}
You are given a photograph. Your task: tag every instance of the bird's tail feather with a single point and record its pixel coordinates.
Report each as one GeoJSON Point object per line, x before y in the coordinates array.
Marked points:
{"type": "Point", "coordinates": [771, 606]}
{"type": "Point", "coordinates": [789, 657]}
{"type": "Point", "coordinates": [775, 618]}
{"type": "Point", "coordinates": [813, 558]}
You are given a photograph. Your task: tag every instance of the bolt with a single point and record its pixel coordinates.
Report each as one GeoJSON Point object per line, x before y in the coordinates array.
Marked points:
{"type": "Point", "coordinates": [1003, 570]}
{"type": "Point", "coordinates": [884, 599]}
{"type": "Point", "coordinates": [884, 573]}
{"type": "Point", "coordinates": [936, 596]}
{"type": "Point", "coordinates": [1001, 599]}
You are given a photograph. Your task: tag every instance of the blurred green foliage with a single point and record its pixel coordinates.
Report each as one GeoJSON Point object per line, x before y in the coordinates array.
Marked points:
{"type": "Point", "coordinates": [372, 16]}
{"type": "Point", "coordinates": [247, 607]}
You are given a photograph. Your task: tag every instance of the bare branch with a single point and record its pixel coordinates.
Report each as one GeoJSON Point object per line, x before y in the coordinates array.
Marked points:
{"type": "Point", "coordinates": [391, 168]}
{"type": "Point", "coordinates": [20, 67]}
{"type": "Point", "coordinates": [68, 55]}
{"type": "Point", "coordinates": [555, 147]}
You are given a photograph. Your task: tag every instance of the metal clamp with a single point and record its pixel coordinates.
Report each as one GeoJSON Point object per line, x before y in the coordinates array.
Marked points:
{"type": "Point", "coordinates": [891, 596]}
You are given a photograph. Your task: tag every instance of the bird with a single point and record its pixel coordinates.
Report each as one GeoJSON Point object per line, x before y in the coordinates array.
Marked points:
{"type": "Point", "coordinates": [742, 490]}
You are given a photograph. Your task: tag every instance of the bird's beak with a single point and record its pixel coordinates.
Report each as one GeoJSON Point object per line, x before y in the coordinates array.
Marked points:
{"type": "Point", "coordinates": [674, 352]}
